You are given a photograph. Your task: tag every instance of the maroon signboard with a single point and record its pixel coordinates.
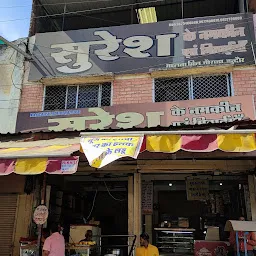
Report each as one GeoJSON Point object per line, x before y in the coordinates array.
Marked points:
{"type": "Point", "coordinates": [210, 248]}
{"type": "Point", "coordinates": [165, 114]}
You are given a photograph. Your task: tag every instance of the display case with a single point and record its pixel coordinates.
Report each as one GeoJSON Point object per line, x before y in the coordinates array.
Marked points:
{"type": "Point", "coordinates": [28, 249]}
{"type": "Point", "coordinates": [80, 250]}
{"type": "Point", "coordinates": [175, 241]}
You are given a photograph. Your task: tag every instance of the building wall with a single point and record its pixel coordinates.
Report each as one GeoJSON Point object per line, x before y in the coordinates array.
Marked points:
{"type": "Point", "coordinates": [137, 88]}
{"type": "Point", "coordinates": [244, 81]}
{"type": "Point", "coordinates": [32, 94]}
{"type": "Point", "coordinates": [132, 89]}
{"type": "Point", "coordinates": [11, 73]}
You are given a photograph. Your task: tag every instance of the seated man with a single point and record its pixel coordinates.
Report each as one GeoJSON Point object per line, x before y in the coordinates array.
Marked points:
{"type": "Point", "coordinates": [88, 236]}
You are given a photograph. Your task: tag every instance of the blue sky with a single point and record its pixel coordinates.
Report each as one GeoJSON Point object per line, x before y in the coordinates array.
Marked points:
{"type": "Point", "coordinates": [11, 10]}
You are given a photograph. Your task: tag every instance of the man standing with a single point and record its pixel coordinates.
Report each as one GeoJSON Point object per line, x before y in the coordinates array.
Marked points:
{"type": "Point", "coordinates": [146, 248]}
{"type": "Point", "coordinates": [54, 245]}
{"type": "Point", "coordinates": [243, 241]}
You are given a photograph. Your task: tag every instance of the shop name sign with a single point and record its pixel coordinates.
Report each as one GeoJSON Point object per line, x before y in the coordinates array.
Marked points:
{"type": "Point", "coordinates": [176, 113]}
{"type": "Point", "coordinates": [144, 47]}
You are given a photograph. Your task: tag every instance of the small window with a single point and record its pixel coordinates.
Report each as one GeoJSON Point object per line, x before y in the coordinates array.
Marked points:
{"type": "Point", "coordinates": [171, 89]}
{"type": "Point", "coordinates": [77, 96]}
{"type": "Point", "coordinates": [211, 86]}
{"type": "Point", "coordinates": [192, 87]}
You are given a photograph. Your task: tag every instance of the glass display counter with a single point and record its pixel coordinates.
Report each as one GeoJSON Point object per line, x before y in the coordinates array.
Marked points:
{"type": "Point", "coordinates": [175, 241]}
{"type": "Point", "coordinates": [80, 250]}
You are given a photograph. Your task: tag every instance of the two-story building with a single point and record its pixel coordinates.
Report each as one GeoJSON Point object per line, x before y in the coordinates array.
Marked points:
{"type": "Point", "coordinates": [162, 93]}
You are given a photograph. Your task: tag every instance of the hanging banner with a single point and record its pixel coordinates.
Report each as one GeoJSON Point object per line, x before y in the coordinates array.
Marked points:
{"type": "Point", "coordinates": [147, 198]}
{"type": "Point", "coordinates": [197, 189]}
{"type": "Point", "coordinates": [102, 151]}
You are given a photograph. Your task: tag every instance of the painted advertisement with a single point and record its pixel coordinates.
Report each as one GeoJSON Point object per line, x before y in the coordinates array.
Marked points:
{"type": "Point", "coordinates": [205, 41]}
{"type": "Point", "coordinates": [165, 114]}
{"type": "Point", "coordinates": [210, 248]}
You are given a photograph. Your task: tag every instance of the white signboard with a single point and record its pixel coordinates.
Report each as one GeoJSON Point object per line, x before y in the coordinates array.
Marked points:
{"type": "Point", "coordinates": [40, 215]}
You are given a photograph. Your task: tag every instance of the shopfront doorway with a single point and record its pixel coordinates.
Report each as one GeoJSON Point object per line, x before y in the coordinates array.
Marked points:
{"type": "Point", "coordinates": [96, 202]}
{"type": "Point", "coordinates": [177, 221]}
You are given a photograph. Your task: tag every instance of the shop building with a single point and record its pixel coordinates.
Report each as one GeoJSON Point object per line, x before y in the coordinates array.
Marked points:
{"type": "Point", "coordinates": [13, 199]}
{"type": "Point", "coordinates": [164, 80]}
{"type": "Point", "coordinates": [12, 70]}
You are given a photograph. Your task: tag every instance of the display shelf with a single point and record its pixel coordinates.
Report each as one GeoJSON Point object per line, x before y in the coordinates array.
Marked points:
{"type": "Point", "coordinates": [80, 250]}
{"type": "Point", "coordinates": [175, 240]}
{"type": "Point", "coordinates": [28, 250]}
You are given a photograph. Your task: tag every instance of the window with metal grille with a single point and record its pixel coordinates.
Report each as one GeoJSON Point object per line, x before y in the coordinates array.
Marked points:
{"type": "Point", "coordinates": [77, 96]}
{"type": "Point", "coordinates": [192, 87]}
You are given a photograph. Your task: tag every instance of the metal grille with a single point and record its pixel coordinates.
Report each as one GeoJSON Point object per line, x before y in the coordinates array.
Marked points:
{"type": "Point", "coordinates": [88, 96]}
{"type": "Point", "coordinates": [171, 89]}
{"type": "Point", "coordinates": [55, 97]}
{"type": "Point", "coordinates": [80, 96]}
{"type": "Point", "coordinates": [211, 87]}
{"type": "Point", "coordinates": [195, 87]}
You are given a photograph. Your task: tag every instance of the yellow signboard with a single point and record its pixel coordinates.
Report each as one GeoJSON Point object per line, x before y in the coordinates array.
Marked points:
{"type": "Point", "coordinates": [101, 151]}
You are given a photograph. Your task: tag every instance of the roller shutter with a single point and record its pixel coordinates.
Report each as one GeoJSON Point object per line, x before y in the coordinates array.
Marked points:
{"type": "Point", "coordinates": [8, 206]}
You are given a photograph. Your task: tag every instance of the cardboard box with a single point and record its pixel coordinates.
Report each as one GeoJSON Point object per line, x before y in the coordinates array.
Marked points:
{"type": "Point", "coordinates": [183, 223]}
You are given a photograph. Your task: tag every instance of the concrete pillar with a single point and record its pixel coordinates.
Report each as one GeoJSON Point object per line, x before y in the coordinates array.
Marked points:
{"type": "Point", "coordinates": [137, 206]}
{"type": "Point", "coordinates": [130, 210]}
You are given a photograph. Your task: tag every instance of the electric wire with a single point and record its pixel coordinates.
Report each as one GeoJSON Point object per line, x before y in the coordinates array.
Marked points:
{"type": "Point", "coordinates": [93, 204]}
{"type": "Point", "coordinates": [116, 199]}
{"type": "Point", "coordinates": [61, 3]}
{"type": "Point", "coordinates": [82, 11]}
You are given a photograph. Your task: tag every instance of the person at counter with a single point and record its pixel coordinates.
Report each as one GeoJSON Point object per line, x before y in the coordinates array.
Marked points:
{"type": "Point", "coordinates": [146, 248]}
{"type": "Point", "coordinates": [88, 236]}
{"type": "Point", "coordinates": [45, 234]}
{"type": "Point", "coordinates": [54, 245]}
{"type": "Point", "coordinates": [244, 239]}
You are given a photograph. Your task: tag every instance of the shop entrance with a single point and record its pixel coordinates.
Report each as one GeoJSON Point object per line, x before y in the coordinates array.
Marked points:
{"type": "Point", "coordinates": [90, 202]}
{"type": "Point", "coordinates": [177, 221]}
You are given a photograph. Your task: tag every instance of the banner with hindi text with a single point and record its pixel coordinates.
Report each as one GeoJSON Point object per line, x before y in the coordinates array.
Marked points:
{"type": "Point", "coordinates": [101, 151]}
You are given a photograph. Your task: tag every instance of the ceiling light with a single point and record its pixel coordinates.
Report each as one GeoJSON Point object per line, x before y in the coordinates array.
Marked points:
{"type": "Point", "coordinates": [170, 184]}
{"type": "Point", "coordinates": [221, 183]}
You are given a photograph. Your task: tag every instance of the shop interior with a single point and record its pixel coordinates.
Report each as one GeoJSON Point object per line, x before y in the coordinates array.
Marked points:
{"type": "Point", "coordinates": [178, 222]}
{"type": "Point", "coordinates": [90, 202]}
{"type": "Point", "coordinates": [100, 203]}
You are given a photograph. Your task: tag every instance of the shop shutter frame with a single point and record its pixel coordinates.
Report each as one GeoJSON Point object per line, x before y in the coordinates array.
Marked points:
{"type": "Point", "coordinates": [8, 209]}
